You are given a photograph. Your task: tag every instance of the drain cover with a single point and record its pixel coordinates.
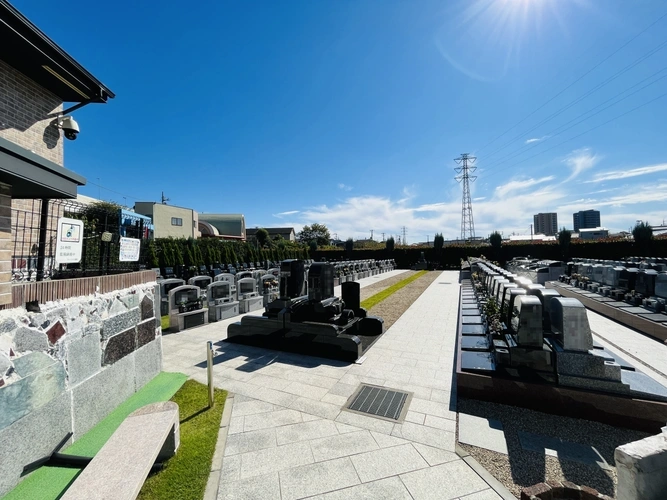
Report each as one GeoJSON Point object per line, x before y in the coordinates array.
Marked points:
{"type": "Point", "coordinates": [379, 402]}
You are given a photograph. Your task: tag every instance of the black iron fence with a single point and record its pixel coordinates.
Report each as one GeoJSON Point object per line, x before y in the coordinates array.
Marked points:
{"type": "Point", "coordinates": [98, 231]}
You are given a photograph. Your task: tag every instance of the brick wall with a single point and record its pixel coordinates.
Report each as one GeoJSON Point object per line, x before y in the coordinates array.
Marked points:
{"type": "Point", "coordinates": [24, 108]}
{"type": "Point", "coordinates": [5, 244]}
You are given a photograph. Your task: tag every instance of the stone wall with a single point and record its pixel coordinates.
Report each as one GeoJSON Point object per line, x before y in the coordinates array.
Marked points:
{"type": "Point", "coordinates": [66, 367]}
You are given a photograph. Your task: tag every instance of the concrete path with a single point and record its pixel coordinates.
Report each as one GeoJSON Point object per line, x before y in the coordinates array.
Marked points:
{"type": "Point", "coordinates": [289, 439]}
{"type": "Point", "coordinates": [626, 341]}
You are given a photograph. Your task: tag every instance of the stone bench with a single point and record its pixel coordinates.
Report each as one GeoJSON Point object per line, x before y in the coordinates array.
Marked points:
{"type": "Point", "coordinates": [119, 469]}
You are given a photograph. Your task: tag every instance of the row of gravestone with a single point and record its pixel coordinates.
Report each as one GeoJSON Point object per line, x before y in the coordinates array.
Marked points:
{"type": "Point", "coordinates": [227, 295]}
{"type": "Point", "coordinates": [353, 270]}
{"type": "Point", "coordinates": [186, 273]}
{"type": "Point", "coordinates": [529, 309]}
{"type": "Point", "coordinates": [550, 336]}
{"type": "Point", "coordinates": [644, 285]}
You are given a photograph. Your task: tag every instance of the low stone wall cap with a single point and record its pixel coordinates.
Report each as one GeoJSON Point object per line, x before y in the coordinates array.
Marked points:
{"type": "Point", "coordinates": [155, 408]}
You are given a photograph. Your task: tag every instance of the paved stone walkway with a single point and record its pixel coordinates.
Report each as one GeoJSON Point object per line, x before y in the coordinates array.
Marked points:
{"type": "Point", "coordinates": [626, 341]}
{"type": "Point", "coordinates": [288, 437]}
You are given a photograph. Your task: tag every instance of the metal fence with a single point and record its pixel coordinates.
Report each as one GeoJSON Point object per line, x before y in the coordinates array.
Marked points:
{"type": "Point", "coordinates": [34, 235]}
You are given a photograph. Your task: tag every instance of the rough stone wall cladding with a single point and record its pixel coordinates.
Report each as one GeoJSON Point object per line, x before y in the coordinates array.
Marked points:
{"type": "Point", "coordinates": [24, 115]}
{"type": "Point", "coordinates": [67, 366]}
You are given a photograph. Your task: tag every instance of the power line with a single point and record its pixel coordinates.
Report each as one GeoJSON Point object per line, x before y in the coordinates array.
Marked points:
{"type": "Point", "coordinates": [582, 97]}
{"type": "Point", "coordinates": [577, 80]}
{"type": "Point", "coordinates": [111, 190]}
{"type": "Point", "coordinates": [589, 130]}
{"type": "Point", "coordinates": [564, 127]}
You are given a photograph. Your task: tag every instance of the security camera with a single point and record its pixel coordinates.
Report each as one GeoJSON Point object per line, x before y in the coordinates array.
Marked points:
{"type": "Point", "coordinates": [69, 126]}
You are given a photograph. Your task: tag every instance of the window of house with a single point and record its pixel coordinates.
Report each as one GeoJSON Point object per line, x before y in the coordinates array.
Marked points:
{"type": "Point", "coordinates": [176, 221]}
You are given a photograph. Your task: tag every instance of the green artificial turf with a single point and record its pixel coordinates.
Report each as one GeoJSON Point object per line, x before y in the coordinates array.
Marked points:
{"type": "Point", "coordinates": [50, 482]}
{"type": "Point", "coordinates": [164, 322]}
{"type": "Point", "coordinates": [373, 300]}
{"type": "Point", "coordinates": [185, 475]}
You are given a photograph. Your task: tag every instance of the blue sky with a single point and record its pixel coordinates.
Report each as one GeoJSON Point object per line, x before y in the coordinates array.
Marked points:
{"type": "Point", "coordinates": [350, 113]}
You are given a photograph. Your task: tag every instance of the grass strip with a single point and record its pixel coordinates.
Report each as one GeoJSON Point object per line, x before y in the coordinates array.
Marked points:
{"type": "Point", "coordinates": [185, 475]}
{"type": "Point", "coordinates": [50, 482]}
{"type": "Point", "coordinates": [373, 300]}
{"type": "Point", "coordinates": [164, 322]}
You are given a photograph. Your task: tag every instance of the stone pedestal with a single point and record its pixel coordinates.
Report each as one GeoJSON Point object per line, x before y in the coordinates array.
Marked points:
{"type": "Point", "coordinates": [251, 304]}
{"type": "Point", "coordinates": [190, 319]}
{"type": "Point", "coordinates": [218, 312]}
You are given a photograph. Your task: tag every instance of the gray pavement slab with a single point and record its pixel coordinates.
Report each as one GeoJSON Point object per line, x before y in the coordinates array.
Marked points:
{"type": "Point", "coordinates": [563, 450]}
{"type": "Point", "coordinates": [482, 433]}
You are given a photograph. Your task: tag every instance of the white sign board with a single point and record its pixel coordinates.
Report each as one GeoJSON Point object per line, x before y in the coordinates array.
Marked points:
{"type": "Point", "coordinates": [129, 249]}
{"type": "Point", "coordinates": [69, 245]}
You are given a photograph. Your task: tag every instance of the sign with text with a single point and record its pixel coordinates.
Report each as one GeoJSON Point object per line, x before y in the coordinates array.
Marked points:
{"type": "Point", "coordinates": [129, 249]}
{"type": "Point", "coordinates": [69, 245]}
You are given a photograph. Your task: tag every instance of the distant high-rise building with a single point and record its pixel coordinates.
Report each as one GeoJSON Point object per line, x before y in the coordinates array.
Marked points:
{"type": "Point", "coordinates": [586, 219]}
{"type": "Point", "coordinates": [546, 224]}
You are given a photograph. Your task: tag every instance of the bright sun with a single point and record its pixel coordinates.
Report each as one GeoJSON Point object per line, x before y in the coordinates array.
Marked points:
{"type": "Point", "coordinates": [481, 38]}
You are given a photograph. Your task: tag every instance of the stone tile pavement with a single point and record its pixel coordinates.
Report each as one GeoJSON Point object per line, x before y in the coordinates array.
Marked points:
{"type": "Point", "coordinates": [631, 344]}
{"type": "Point", "coordinates": [288, 437]}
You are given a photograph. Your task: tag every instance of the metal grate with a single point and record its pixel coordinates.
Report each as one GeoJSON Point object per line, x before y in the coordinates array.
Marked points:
{"type": "Point", "coordinates": [379, 402]}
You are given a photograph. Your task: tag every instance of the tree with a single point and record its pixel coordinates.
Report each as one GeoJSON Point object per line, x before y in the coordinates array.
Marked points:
{"type": "Point", "coordinates": [643, 234]}
{"type": "Point", "coordinates": [496, 240]}
{"type": "Point", "coordinates": [234, 260]}
{"type": "Point", "coordinates": [390, 244]}
{"type": "Point", "coordinates": [312, 246]}
{"type": "Point", "coordinates": [564, 238]}
{"type": "Point", "coordinates": [189, 257]}
{"type": "Point", "coordinates": [349, 246]}
{"type": "Point", "coordinates": [438, 242]}
{"type": "Point", "coordinates": [197, 254]}
{"type": "Point", "coordinates": [152, 260]}
{"type": "Point", "coordinates": [262, 237]}
{"type": "Point", "coordinates": [315, 232]}
{"type": "Point", "coordinates": [177, 252]}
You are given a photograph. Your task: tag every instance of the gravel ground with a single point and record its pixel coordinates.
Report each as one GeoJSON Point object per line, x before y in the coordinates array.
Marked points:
{"type": "Point", "coordinates": [381, 285]}
{"type": "Point", "coordinates": [391, 308]}
{"type": "Point", "coordinates": [523, 468]}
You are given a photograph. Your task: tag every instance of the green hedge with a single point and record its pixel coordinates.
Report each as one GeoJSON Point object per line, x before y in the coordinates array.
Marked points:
{"type": "Point", "coordinates": [450, 256]}
{"type": "Point", "coordinates": [170, 252]}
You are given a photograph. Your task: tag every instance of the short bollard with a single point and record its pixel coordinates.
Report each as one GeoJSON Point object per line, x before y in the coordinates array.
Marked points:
{"type": "Point", "coordinates": [209, 370]}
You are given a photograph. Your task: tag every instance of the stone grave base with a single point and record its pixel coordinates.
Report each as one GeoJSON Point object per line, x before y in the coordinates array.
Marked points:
{"type": "Point", "coordinates": [619, 411]}
{"type": "Point", "coordinates": [312, 339]}
{"type": "Point", "coordinates": [223, 311]}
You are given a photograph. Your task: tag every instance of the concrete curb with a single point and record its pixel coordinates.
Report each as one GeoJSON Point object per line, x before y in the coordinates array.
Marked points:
{"type": "Point", "coordinates": [213, 483]}
{"type": "Point", "coordinates": [495, 485]}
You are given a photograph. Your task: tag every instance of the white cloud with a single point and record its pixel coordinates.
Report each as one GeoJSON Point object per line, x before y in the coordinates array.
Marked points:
{"type": "Point", "coordinates": [579, 161]}
{"type": "Point", "coordinates": [355, 216]}
{"type": "Point", "coordinates": [624, 174]}
{"type": "Point", "coordinates": [283, 214]}
{"type": "Point", "coordinates": [537, 139]}
{"type": "Point", "coordinates": [479, 199]}
{"type": "Point", "coordinates": [409, 192]}
{"type": "Point", "coordinates": [344, 187]}
{"type": "Point", "coordinates": [519, 185]}
{"type": "Point", "coordinates": [640, 194]}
